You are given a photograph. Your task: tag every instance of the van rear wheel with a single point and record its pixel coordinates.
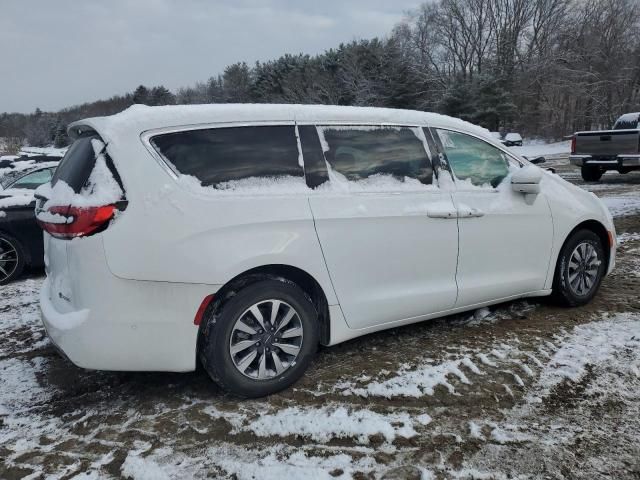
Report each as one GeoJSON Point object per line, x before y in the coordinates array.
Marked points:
{"type": "Point", "coordinates": [261, 340]}
{"type": "Point", "coordinates": [591, 173]}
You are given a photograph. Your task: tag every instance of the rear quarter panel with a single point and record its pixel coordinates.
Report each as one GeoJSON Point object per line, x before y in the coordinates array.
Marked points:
{"type": "Point", "coordinates": [170, 233]}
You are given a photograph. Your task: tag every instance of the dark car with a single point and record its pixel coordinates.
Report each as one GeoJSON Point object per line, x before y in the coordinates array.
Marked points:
{"type": "Point", "coordinates": [20, 236]}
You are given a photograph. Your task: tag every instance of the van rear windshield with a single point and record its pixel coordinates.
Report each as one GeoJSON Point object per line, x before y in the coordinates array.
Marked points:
{"type": "Point", "coordinates": [220, 155]}
{"type": "Point", "coordinates": [77, 164]}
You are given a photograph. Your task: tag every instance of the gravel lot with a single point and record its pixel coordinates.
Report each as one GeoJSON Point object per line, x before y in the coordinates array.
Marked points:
{"type": "Point", "coordinates": [521, 390]}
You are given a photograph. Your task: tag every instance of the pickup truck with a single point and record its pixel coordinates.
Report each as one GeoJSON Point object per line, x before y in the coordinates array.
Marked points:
{"type": "Point", "coordinates": [617, 149]}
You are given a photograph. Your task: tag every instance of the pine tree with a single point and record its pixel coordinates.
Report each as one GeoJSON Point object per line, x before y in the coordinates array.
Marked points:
{"type": "Point", "coordinates": [141, 95]}
{"type": "Point", "coordinates": [61, 139]}
{"type": "Point", "coordinates": [161, 96]}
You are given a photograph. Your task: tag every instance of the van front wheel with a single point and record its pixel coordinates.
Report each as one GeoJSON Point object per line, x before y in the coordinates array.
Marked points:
{"type": "Point", "coordinates": [261, 340]}
{"type": "Point", "coordinates": [580, 269]}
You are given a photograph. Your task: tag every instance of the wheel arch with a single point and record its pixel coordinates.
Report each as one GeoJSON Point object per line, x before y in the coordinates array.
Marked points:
{"type": "Point", "coordinates": [293, 274]}
{"type": "Point", "coordinates": [596, 227]}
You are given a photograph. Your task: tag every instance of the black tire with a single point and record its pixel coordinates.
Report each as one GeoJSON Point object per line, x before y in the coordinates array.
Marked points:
{"type": "Point", "coordinates": [591, 173]}
{"type": "Point", "coordinates": [563, 292]}
{"type": "Point", "coordinates": [10, 270]}
{"type": "Point", "coordinates": [216, 335]}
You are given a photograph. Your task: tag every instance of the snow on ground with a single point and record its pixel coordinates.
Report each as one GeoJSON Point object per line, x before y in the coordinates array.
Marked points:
{"type": "Point", "coordinates": [537, 148]}
{"type": "Point", "coordinates": [622, 205]}
{"type": "Point", "coordinates": [330, 422]}
{"type": "Point", "coordinates": [628, 237]}
{"type": "Point", "coordinates": [109, 424]}
{"type": "Point", "coordinates": [611, 344]}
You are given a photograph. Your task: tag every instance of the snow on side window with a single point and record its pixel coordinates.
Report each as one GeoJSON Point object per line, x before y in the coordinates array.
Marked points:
{"type": "Point", "coordinates": [376, 158]}
{"type": "Point", "coordinates": [260, 159]}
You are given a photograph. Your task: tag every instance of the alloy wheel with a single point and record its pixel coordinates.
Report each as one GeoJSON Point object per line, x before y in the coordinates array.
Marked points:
{"type": "Point", "coordinates": [266, 339]}
{"type": "Point", "coordinates": [8, 259]}
{"type": "Point", "coordinates": [583, 269]}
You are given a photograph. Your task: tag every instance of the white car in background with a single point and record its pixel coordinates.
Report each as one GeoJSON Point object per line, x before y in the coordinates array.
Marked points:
{"type": "Point", "coordinates": [512, 140]}
{"type": "Point", "coordinates": [246, 235]}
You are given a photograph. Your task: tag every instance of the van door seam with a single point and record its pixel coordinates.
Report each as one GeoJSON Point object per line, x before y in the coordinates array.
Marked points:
{"type": "Point", "coordinates": [324, 258]}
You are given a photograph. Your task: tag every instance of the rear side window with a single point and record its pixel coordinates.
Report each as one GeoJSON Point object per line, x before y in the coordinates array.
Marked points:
{"type": "Point", "coordinates": [77, 164]}
{"type": "Point", "coordinates": [359, 152]}
{"type": "Point", "coordinates": [473, 159]}
{"type": "Point", "coordinates": [219, 155]}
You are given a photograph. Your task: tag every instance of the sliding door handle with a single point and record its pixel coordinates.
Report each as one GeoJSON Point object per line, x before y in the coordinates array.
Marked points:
{"type": "Point", "coordinates": [442, 213]}
{"type": "Point", "coordinates": [469, 212]}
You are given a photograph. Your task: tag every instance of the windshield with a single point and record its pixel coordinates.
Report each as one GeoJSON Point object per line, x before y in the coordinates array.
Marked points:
{"type": "Point", "coordinates": [8, 178]}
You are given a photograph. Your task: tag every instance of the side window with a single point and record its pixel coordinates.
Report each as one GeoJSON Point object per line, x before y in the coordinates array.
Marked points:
{"type": "Point", "coordinates": [473, 159]}
{"type": "Point", "coordinates": [219, 155]}
{"type": "Point", "coordinates": [360, 152]}
{"type": "Point", "coordinates": [33, 180]}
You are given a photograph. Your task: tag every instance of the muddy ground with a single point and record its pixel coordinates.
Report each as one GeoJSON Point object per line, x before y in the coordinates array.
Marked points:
{"type": "Point", "coordinates": [522, 390]}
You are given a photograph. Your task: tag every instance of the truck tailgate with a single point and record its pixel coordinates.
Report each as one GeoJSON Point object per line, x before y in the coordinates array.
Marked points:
{"type": "Point", "coordinates": [607, 143]}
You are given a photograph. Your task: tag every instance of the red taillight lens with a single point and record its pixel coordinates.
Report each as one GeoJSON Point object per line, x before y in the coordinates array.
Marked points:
{"type": "Point", "coordinates": [71, 222]}
{"type": "Point", "coordinates": [573, 144]}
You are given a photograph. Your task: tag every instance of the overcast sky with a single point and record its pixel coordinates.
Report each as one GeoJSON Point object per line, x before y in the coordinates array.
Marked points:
{"type": "Point", "coordinates": [55, 54]}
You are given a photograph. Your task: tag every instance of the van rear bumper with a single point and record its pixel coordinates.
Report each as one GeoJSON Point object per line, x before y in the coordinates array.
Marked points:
{"type": "Point", "coordinates": [621, 161]}
{"type": "Point", "coordinates": [145, 337]}
{"type": "Point", "coordinates": [103, 322]}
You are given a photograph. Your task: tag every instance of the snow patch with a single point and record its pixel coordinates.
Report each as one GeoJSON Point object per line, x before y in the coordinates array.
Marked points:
{"type": "Point", "coordinates": [621, 206]}
{"type": "Point", "coordinates": [540, 148]}
{"type": "Point", "coordinates": [415, 383]}
{"type": "Point", "coordinates": [594, 343]}
{"type": "Point", "coordinates": [326, 423]}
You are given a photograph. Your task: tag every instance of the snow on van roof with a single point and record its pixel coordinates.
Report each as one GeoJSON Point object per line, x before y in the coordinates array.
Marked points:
{"type": "Point", "coordinates": [140, 118]}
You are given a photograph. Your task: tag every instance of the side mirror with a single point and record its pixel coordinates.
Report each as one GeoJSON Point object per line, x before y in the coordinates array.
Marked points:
{"type": "Point", "coordinates": [538, 160]}
{"type": "Point", "coordinates": [527, 180]}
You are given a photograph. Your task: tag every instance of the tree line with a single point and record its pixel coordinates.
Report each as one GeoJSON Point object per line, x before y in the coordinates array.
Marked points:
{"type": "Point", "coordinates": [542, 67]}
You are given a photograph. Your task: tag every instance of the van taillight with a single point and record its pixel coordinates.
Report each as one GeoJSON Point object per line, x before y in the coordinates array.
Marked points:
{"type": "Point", "coordinates": [71, 222]}
{"type": "Point", "coordinates": [573, 144]}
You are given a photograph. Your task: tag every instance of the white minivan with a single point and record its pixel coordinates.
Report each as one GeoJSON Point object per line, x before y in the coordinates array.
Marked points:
{"type": "Point", "coordinates": [246, 235]}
